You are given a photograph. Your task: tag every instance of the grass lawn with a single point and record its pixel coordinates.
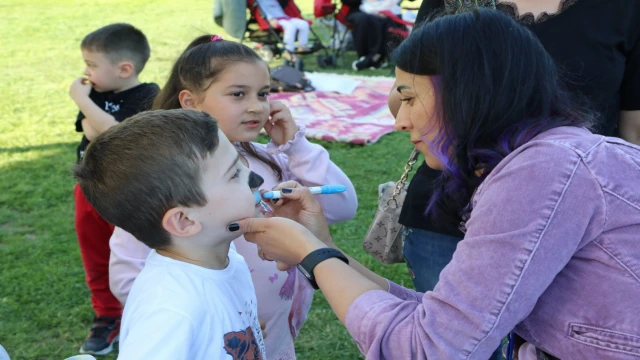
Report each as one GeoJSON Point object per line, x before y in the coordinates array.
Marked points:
{"type": "Point", "coordinates": [45, 311]}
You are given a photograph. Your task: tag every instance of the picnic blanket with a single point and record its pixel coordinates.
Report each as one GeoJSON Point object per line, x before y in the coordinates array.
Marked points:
{"type": "Point", "coordinates": [361, 117]}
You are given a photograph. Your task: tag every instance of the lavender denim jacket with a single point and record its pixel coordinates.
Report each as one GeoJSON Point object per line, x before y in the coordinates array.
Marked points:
{"type": "Point", "coordinates": [552, 250]}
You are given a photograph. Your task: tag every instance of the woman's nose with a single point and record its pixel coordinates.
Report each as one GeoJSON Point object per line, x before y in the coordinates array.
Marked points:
{"type": "Point", "coordinates": [402, 123]}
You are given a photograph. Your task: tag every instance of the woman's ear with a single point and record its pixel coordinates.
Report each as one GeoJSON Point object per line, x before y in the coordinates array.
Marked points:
{"type": "Point", "coordinates": [177, 222]}
{"type": "Point", "coordinates": [187, 99]}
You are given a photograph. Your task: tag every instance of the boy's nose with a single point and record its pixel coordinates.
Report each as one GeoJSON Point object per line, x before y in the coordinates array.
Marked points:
{"type": "Point", "coordinates": [255, 180]}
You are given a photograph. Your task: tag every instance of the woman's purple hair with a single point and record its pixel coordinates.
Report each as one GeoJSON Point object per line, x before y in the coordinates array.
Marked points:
{"type": "Point", "coordinates": [495, 87]}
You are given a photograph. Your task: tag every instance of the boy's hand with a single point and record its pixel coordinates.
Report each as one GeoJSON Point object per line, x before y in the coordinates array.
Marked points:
{"type": "Point", "coordinates": [280, 127]}
{"type": "Point", "coordinates": [80, 87]}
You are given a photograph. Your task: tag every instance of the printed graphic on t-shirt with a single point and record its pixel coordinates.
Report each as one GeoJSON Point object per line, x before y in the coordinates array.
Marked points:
{"type": "Point", "coordinates": [242, 345]}
{"type": "Point", "coordinates": [111, 107]}
{"type": "Point", "coordinates": [251, 311]}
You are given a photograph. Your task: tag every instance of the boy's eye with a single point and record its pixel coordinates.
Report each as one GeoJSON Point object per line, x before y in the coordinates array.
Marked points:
{"type": "Point", "coordinates": [237, 94]}
{"type": "Point", "coordinates": [407, 99]}
{"type": "Point", "coordinates": [264, 94]}
{"type": "Point", "coordinates": [236, 174]}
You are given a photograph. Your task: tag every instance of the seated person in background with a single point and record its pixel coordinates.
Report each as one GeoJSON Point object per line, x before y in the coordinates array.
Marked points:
{"type": "Point", "coordinates": [273, 11]}
{"type": "Point", "coordinates": [369, 30]}
{"type": "Point", "coordinates": [168, 177]}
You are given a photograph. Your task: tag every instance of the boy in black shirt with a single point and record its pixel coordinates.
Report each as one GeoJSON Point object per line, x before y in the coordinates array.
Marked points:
{"type": "Point", "coordinates": [109, 92]}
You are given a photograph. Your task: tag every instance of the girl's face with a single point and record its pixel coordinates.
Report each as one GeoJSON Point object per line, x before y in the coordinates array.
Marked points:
{"type": "Point", "coordinates": [417, 114]}
{"type": "Point", "coordinates": [238, 99]}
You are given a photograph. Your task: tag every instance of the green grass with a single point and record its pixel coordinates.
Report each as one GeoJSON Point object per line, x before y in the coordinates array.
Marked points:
{"type": "Point", "coordinates": [44, 303]}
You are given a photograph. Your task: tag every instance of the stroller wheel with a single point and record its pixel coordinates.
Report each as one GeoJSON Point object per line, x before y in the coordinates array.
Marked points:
{"type": "Point", "coordinates": [265, 53]}
{"type": "Point", "coordinates": [299, 65]}
{"type": "Point", "coordinates": [321, 61]}
{"type": "Point", "coordinates": [332, 60]}
{"type": "Point", "coordinates": [317, 45]}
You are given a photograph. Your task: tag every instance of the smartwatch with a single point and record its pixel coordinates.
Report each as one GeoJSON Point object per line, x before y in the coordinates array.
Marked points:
{"type": "Point", "coordinates": [310, 261]}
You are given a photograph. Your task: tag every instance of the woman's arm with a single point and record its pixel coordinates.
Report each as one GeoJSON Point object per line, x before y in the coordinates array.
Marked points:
{"type": "Point", "coordinates": [529, 219]}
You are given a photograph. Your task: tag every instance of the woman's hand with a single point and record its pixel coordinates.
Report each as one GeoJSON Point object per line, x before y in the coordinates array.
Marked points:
{"type": "Point", "coordinates": [279, 239]}
{"type": "Point", "coordinates": [300, 205]}
{"type": "Point", "coordinates": [280, 127]}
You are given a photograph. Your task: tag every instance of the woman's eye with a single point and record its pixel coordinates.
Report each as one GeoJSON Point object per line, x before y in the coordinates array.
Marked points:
{"type": "Point", "coordinates": [237, 94]}
{"type": "Point", "coordinates": [407, 99]}
{"type": "Point", "coordinates": [236, 174]}
{"type": "Point", "coordinates": [264, 94]}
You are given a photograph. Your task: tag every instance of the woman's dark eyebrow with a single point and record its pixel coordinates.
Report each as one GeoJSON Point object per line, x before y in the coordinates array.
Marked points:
{"type": "Point", "coordinates": [402, 87]}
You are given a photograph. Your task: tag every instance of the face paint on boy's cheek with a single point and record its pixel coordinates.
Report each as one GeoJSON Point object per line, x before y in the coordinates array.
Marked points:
{"type": "Point", "coordinates": [255, 180]}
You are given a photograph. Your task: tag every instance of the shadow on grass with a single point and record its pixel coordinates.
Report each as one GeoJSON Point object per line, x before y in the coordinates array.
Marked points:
{"type": "Point", "coordinates": [23, 149]}
{"type": "Point", "coordinates": [44, 301]}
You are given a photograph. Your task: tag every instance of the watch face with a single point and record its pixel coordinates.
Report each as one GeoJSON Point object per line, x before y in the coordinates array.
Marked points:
{"type": "Point", "coordinates": [304, 272]}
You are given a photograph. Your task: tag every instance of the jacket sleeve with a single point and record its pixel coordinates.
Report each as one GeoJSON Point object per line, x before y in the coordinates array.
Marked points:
{"type": "Point", "coordinates": [125, 263]}
{"type": "Point", "coordinates": [310, 165]}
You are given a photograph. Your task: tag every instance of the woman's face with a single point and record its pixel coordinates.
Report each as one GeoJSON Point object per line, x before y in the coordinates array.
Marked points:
{"type": "Point", "coordinates": [416, 114]}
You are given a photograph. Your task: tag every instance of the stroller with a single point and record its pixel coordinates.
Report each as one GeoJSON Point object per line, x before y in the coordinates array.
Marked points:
{"type": "Point", "coordinates": [269, 38]}
{"type": "Point", "coordinates": [325, 9]}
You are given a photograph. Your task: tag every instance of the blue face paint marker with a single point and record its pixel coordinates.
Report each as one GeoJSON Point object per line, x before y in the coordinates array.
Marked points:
{"type": "Point", "coordinates": [258, 199]}
{"type": "Point", "coordinates": [316, 190]}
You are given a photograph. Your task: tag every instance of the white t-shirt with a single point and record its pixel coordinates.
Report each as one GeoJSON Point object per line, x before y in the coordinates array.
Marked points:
{"type": "Point", "coordinates": [178, 310]}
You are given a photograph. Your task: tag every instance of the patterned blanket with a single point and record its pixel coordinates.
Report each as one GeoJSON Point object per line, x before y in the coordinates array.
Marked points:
{"type": "Point", "coordinates": [361, 117]}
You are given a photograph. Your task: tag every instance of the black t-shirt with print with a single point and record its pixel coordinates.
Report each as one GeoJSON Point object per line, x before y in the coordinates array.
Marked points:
{"type": "Point", "coordinates": [120, 105]}
{"type": "Point", "coordinates": [596, 44]}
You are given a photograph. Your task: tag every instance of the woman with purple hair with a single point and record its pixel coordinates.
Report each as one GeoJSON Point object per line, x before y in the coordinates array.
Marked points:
{"type": "Point", "coordinates": [551, 250]}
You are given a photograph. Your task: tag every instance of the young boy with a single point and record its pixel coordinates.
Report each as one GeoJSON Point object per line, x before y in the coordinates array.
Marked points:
{"type": "Point", "coordinates": [109, 93]}
{"type": "Point", "coordinates": [175, 182]}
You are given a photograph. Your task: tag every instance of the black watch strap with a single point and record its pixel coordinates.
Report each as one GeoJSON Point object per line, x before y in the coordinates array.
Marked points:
{"type": "Point", "coordinates": [310, 261]}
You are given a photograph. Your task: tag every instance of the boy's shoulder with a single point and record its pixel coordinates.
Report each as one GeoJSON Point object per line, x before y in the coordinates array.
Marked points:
{"type": "Point", "coordinates": [142, 91]}
{"type": "Point", "coordinates": [174, 284]}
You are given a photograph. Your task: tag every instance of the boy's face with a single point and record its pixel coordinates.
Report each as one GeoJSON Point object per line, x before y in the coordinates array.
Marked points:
{"type": "Point", "coordinates": [103, 74]}
{"type": "Point", "coordinates": [238, 99]}
{"type": "Point", "coordinates": [225, 182]}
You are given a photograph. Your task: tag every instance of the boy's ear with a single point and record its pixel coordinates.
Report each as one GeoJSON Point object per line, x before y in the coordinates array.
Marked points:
{"type": "Point", "coordinates": [187, 99]}
{"type": "Point", "coordinates": [177, 223]}
{"type": "Point", "coordinates": [126, 69]}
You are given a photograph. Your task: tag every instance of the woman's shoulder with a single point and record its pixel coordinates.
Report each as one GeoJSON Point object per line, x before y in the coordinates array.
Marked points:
{"type": "Point", "coordinates": [553, 151]}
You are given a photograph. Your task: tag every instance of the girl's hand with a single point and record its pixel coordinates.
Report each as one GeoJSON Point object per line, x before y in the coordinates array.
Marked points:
{"type": "Point", "coordinates": [280, 127]}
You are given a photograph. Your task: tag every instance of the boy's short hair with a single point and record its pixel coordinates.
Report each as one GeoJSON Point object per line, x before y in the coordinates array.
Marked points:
{"type": "Point", "coordinates": [135, 172]}
{"type": "Point", "coordinates": [119, 42]}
